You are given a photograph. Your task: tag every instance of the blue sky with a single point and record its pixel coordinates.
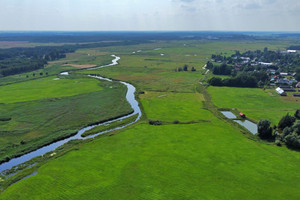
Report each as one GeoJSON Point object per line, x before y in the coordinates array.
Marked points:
{"type": "Point", "coordinates": [143, 15]}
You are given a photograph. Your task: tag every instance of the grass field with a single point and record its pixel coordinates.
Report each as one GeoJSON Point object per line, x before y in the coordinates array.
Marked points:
{"type": "Point", "coordinates": [183, 107]}
{"type": "Point", "coordinates": [74, 103]}
{"type": "Point", "coordinates": [255, 103]}
{"type": "Point", "coordinates": [206, 159]}
{"type": "Point", "coordinates": [46, 88]}
{"type": "Point", "coordinates": [209, 160]}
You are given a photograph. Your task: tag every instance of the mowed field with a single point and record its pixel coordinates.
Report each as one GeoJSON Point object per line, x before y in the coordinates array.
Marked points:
{"type": "Point", "coordinates": [255, 103]}
{"type": "Point", "coordinates": [205, 160]}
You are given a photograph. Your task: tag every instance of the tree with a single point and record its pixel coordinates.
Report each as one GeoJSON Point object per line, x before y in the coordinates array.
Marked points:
{"type": "Point", "coordinates": [293, 140]}
{"type": "Point", "coordinates": [193, 69]}
{"type": "Point", "coordinates": [215, 81]}
{"type": "Point", "coordinates": [185, 68]}
{"type": "Point", "coordinates": [296, 127]}
{"type": "Point", "coordinates": [209, 65]}
{"type": "Point", "coordinates": [286, 121]}
{"type": "Point", "coordinates": [297, 114]}
{"type": "Point", "coordinates": [179, 69]}
{"type": "Point", "coordinates": [264, 129]}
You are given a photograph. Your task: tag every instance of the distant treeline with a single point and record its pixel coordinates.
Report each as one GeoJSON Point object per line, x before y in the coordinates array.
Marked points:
{"type": "Point", "coordinates": [294, 48]}
{"type": "Point", "coordinates": [20, 60]}
{"type": "Point", "coordinates": [75, 37]}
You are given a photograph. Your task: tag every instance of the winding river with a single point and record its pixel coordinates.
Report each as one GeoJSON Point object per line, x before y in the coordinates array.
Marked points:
{"type": "Point", "coordinates": [130, 98]}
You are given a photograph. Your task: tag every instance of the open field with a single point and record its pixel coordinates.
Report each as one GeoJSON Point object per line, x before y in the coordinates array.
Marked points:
{"type": "Point", "coordinates": [39, 121]}
{"type": "Point", "coordinates": [255, 103]}
{"type": "Point", "coordinates": [42, 88]}
{"type": "Point", "coordinates": [208, 158]}
{"type": "Point", "coordinates": [170, 107]}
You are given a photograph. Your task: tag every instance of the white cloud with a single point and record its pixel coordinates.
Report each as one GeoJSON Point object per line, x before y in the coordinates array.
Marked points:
{"type": "Point", "coordinates": [150, 15]}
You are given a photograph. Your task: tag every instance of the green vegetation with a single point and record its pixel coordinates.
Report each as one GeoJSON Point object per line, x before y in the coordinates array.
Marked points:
{"type": "Point", "coordinates": [193, 153]}
{"type": "Point", "coordinates": [170, 107]}
{"type": "Point", "coordinates": [49, 87]}
{"type": "Point", "coordinates": [41, 121]}
{"type": "Point", "coordinates": [109, 126]}
{"type": "Point", "coordinates": [204, 160]}
{"type": "Point", "coordinates": [255, 103]}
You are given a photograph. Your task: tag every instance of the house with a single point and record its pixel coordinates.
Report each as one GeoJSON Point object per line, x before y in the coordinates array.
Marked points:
{"type": "Point", "coordinates": [283, 81]}
{"type": "Point", "coordinates": [296, 94]}
{"type": "Point", "coordinates": [280, 91]}
{"type": "Point", "coordinates": [265, 64]}
{"type": "Point", "coordinates": [292, 51]}
{"type": "Point", "coordinates": [283, 74]}
{"type": "Point", "coordinates": [298, 85]}
{"type": "Point", "coordinates": [242, 115]}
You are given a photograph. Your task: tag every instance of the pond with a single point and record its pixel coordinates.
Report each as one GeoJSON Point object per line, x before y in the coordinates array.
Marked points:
{"type": "Point", "coordinates": [250, 126]}
{"type": "Point", "coordinates": [228, 114]}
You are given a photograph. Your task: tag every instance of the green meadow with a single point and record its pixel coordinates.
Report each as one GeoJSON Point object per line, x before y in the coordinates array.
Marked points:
{"type": "Point", "coordinates": [42, 88]}
{"type": "Point", "coordinates": [205, 160]}
{"type": "Point", "coordinates": [43, 110]}
{"type": "Point", "coordinates": [192, 155]}
{"type": "Point", "coordinates": [255, 103]}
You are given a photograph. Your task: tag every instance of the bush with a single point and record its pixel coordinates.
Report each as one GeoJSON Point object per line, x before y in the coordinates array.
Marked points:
{"type": "Point", "coordinates": [155, 122]}
{"type": "Point", "coordinates": [264, 129]}
{"type": "Point", "coordinates": [293, 140]}
{"type": "Point", "coordinates": [215, 81]}
{"type": "Point", "coordinates": [176, 122]}
{"type": "Point", "coordinates": [286, 121]}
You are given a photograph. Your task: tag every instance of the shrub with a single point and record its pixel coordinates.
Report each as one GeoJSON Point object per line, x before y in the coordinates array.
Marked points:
{"type": "Point", "coordinates": [155, 122]}
{"type": "Point", "coordinates": [264, 129]}
{"type": "Point", "coordinates": [286, 121]}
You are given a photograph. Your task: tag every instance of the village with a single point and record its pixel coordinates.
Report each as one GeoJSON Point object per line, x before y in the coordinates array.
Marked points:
{"type": "Point", "coordinates": [281, 68]}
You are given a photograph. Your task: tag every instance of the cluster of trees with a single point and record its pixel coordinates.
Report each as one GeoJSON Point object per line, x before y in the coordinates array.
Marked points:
{"type": "Point", "coordinates": [185, 68]}
{"type": "Point", "coordinates": [223, 69]}
{"type": "Point", "coordinates": [289, 126]}
{"type": "Point", "coordinates": [20, 60]}
{"type": "Point", "coordinates": [252, 79]}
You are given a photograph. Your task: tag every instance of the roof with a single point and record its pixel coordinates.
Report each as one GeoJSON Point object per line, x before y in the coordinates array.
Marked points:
{"type": "Point", "coordinates": [279, 90]}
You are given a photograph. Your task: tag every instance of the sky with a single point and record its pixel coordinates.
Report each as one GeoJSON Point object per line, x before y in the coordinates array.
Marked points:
{"type": "Point", "coordinates": [150, 15]}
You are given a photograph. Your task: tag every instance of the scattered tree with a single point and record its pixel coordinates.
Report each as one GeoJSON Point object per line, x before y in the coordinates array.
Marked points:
{"type": "Point", "coordinates": [185, 68]}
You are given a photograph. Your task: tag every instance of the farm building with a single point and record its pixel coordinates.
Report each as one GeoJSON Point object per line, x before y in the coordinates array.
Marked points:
{"type": "Point", "coordinates": [283, 74]}
{"type": "Point", "coordinates": [296, 94]}
{"type": "Point", "coordinates": [280, 91]}
{"type": "Point", "coordinates": [289, 89]}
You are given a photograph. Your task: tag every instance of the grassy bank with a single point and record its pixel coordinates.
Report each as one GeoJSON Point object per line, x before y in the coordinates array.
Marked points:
{"type": "Point", "coordinates": [255, 103]}
{"type": "Point", "coordinates": [41, 121]}
{"type": "Point", "coordinates": [109, 126]}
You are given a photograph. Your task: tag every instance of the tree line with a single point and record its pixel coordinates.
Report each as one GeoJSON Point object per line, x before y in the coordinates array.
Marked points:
{"type": "Point", "coordinates": [287, 131]}
{"type": "Point", "coordinates": [20, 60]}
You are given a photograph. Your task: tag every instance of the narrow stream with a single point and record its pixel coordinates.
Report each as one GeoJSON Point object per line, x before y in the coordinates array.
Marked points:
{"type": "Point", "coordinates": [130, 98]}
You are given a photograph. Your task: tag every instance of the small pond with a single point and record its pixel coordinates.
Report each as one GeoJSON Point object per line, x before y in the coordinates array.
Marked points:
{"type": "Point", "coordinates": [228, 114]}
{"type": "Point", "coordinates": [250, 126]}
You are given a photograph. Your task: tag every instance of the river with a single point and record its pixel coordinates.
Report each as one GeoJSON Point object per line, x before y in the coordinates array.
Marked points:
{"type": "Point", "coordinates": [130, 98]}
